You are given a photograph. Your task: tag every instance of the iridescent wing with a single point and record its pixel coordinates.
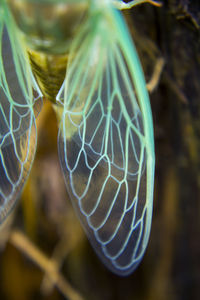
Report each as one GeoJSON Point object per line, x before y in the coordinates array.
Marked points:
{"type": "Point", "coordinates": [17, 114]}
{"type": "Point", "coordinates": [106, 145]}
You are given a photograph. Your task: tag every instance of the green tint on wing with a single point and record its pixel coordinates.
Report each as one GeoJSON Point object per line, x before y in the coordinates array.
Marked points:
{"type": "Point", "coordinates": [105, 142]}
{"type": "Point", "coordinates": [17, 114]}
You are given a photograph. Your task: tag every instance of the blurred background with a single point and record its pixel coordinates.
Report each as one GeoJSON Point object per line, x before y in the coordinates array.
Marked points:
{"type": "Point", "coordinates": [47, 255]}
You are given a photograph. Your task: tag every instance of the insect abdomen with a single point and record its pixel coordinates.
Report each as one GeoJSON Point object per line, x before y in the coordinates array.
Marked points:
{"type": "Point", "coordinates": [49, 71]}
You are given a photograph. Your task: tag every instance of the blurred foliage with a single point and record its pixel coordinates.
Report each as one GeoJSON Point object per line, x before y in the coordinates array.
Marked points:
{"type": "Point", "coordinates": [171, 266]}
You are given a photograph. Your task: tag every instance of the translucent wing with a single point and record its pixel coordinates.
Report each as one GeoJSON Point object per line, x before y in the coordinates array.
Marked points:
{"type": "Point", "coordinates": [17, 114]}
{"type": "Point", "coordinates": [106, 143]}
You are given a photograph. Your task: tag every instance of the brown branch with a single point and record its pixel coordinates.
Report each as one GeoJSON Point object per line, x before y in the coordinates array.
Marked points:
{"type": "Point", "coordinates": [19, 240]}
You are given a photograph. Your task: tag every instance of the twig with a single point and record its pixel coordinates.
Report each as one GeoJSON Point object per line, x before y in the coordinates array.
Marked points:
{"type": "Point", "coordinates": [19, 240]}
{"type": "Point", "coordinates": [153, 83]}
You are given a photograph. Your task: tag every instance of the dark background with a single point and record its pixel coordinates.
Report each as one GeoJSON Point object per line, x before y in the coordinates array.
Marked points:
{"type": "Point", "coordinates": [171, 266]}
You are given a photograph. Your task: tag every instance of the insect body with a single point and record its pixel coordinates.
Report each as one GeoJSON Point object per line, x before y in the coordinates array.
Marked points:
{"type": "Point", "coordinates": [105, 142]}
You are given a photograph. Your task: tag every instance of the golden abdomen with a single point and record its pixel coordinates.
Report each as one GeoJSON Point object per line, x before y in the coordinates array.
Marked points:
{"type": "Point", "coordinates": [49, 71]}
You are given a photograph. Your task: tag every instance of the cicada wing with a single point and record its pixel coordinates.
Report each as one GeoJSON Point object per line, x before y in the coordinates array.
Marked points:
{"type": "Point", "coordinates": [18, 93]}
{"type": "Point", "coordinates": [105, 144]}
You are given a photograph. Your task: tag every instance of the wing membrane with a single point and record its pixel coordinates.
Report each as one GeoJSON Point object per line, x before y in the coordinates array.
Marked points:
{"type": "Point", "coordinates": [18, 107]}
{"type": "Point", "coordinates": [105, 145]}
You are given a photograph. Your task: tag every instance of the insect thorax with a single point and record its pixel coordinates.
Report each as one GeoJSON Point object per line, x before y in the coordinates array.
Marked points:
{"type": "Point", "coordinates": [48, 29]}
